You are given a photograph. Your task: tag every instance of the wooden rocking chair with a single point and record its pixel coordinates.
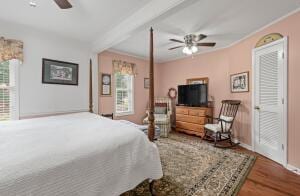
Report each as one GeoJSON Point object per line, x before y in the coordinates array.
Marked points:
{"type": "Point", "coordinates": [221, 130]}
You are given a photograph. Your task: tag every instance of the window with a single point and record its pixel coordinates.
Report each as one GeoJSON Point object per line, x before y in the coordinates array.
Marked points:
{"type": "Point", "coordinates": [123, 94]}
{"type": "Point", "coordinates": [8, 91]}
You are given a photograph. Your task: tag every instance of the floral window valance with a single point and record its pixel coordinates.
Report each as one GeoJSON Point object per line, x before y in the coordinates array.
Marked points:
{"type": "Point", "coordinates": [10, 49]}
{"type": "Point", "coordinates": [124, 67]}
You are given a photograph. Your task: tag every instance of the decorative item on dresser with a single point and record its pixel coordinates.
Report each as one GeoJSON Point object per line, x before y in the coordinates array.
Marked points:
{"type": "Point", "coordinates": [172, 93]}
{"type": "Point", "coordinates": [191, 120]}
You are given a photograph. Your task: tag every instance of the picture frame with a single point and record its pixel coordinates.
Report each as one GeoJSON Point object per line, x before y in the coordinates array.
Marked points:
{"type": "Point", "coordinates": [203, 80]}
{"type": "Point", "coordinates": [146, 83]}
{"type": "Point", "coordinates": [59, 72]}
{"type": "Point", "coordinates": [239, 82]}
{"type": "Point", "coordinates": [105, 85]}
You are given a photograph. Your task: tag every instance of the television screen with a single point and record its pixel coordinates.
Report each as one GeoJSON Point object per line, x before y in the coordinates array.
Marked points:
{"type": "Point", "coordinates": [192, 95]}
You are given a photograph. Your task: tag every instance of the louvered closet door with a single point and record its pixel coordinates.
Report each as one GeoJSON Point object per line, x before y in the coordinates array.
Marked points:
{"type": "Point", "coordinates": [268, 93]}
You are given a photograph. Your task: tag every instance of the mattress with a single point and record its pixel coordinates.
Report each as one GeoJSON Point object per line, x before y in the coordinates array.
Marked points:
{"type": "Point", "coordinates": [75, 154]}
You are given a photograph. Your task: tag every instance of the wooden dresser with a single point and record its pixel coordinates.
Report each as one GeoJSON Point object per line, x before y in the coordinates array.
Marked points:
{"type": "Point", "coordinates": [191, 120]}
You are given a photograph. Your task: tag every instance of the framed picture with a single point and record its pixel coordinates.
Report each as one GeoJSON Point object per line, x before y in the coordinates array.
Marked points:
{"type": "Point", "coordinates": [59, 72]}
{"type": "Point", "coordinates": [146, 83]}
{"type": "Point", "coordinates": [105, 84]}
{"type": "Point", "coordinates": [239, 82]}
{"type": "Point", "coordinates": [197, 81]}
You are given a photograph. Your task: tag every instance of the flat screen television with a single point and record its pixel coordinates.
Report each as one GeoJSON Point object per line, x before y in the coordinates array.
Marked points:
{"type": "Point", "coordinates": [194, 95]}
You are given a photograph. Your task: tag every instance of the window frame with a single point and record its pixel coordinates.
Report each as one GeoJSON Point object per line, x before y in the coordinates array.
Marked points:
{"type": "Point", "coordinates": [117, 113]}
{"type": "Point", "coordinates": [14, 96]}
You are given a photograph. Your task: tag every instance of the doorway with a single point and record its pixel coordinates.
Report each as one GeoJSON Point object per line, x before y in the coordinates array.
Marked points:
{"type": "Point", "coordinates": [269, 124]}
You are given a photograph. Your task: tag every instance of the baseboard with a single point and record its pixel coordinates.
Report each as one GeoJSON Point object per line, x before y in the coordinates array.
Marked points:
{"type": "Point", "coordinates": [288, 167]}
{"type": "Point", "coordinates": [248, 147]}
{"type": "Point", "coordinates": [293, 169]}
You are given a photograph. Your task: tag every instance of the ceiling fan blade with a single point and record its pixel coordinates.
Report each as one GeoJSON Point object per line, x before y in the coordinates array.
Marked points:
{"type": "Point", "coordinates": [175, 47]}
{"type": "Point", "coordinates": [201, 37]}
{"type": "Point", "coordinates": [211, 44]}
{"type": "Point", "coordinates": [176, 40]}
{"type": "Point", "coordinates": [63, 4]}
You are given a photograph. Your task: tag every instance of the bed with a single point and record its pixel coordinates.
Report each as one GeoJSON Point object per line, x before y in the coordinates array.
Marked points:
{"type": "Point", "coordinates": [75, 154]}
{"type": "Point", "coordinates": [78, 154]}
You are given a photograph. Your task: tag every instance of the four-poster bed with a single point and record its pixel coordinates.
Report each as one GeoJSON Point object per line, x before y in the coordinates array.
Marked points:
{"type": "Point", "coordinates": [77, 154]}
{"type": "Point", "coordinates": [151, 91]}
{"type": "Point", "coordinates": [151, 127]}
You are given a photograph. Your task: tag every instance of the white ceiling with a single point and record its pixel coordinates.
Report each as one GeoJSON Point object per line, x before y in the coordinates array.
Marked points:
{"type": "Point", "coordinates": [122, 25]}
{"type": "Point", "coordinates": [224, 21]}
{"type": "Point", "coordinates": [86, 21]}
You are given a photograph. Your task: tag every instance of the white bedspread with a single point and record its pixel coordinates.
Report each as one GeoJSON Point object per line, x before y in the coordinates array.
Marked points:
{"type": "Point", "coordinates": [76, 154]}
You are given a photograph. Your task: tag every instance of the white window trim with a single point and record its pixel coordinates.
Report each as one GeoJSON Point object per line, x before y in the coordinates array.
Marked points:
{"type": "Point", "coordinates": [15, 113]}
{"type": "Point", "coordinates": [120, 114]}
{"type": "Point", "coordinates": [16, 66]}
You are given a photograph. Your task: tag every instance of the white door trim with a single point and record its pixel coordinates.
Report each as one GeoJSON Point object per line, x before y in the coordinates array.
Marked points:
{"type": "Point", "coordinates": [285, 95]}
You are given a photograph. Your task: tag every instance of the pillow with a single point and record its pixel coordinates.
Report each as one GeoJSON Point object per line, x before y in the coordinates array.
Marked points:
{"type": "Point", "coordinates": [226, 125]}
{"type": "Point", "coordinates": [160, 110]}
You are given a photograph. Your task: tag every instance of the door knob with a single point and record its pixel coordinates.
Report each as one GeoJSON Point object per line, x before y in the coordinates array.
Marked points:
{"type": "Point", "coordinates": [257, 107]}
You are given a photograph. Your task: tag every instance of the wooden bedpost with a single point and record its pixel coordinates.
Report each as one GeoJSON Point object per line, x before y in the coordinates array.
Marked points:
{"type": "Point", "coordinates": [151, 126]}
{"type": "Point", "coordinates": [91, 89]}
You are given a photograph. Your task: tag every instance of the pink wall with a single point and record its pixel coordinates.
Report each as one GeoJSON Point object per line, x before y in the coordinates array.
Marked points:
{"type": "Point", "coordinates": [106, 104]}
{"type": "Point", "coordinates": [220, 64]}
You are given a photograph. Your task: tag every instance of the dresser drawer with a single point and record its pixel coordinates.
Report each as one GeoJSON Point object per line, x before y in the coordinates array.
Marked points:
{"type": "Point", "coordinates": [182, 111]}
{"type": "Point", "coordinates": [190, 126]}
{"type": "Point", "coordinates": [197, 112]}
{"type": "Point", "coordinates": [190, 119]}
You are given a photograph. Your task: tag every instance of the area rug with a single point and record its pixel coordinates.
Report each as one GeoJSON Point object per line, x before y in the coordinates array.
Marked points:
{"type": "Point", "coordinates": [193, 167]}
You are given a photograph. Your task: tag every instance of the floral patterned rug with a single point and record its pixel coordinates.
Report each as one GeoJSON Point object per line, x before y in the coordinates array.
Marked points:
{"type": "Point", "coordinates": [194, 167]}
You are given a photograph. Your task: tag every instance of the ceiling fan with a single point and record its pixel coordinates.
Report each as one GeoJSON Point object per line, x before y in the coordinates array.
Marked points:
{"type": "Point", "coordinates": [63, 4]}
{"type": "Point", "coordinates": [191, 43]}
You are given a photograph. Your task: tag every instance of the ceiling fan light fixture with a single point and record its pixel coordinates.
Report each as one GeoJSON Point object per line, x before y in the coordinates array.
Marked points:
{"type": "Point", "coordinates": [185, 50]}
{"type": "Point", "coordinates": [194, 49]}
{"type": "Point", "coordinates": [191, 43]}
{"type": "Point", "coordinates": [190, 50]}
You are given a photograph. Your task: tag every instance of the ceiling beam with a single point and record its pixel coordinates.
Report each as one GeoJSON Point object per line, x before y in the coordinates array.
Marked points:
{"type": "Point", "coordinates": [123, 31]}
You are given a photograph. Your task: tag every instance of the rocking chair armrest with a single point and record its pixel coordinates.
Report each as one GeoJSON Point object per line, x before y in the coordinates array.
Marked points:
{"type": "Point", "coordinates": [211, 117]}
{"type": "Point", "coordinates": [226, 121]}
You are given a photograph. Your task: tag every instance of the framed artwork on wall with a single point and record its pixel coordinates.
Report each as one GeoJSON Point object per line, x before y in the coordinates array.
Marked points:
{"type": "Point", "coordinates": [105, 84]}
{"type": "Point", "coordinates": [197, 81]}
{"type": "Point", "coordinates": [146, 83]}
{"type": "Point", "coordinates": [59, 72]}
{"type": "Point", "coordinates": [239, 82]}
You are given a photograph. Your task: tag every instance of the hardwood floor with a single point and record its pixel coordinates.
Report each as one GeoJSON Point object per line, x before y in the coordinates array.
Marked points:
{"type": "Point", "coordinates": [269, 178]}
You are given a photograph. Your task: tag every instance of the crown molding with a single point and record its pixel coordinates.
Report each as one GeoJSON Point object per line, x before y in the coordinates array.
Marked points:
{"type": "Point", "coordinates": [126, 54]}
